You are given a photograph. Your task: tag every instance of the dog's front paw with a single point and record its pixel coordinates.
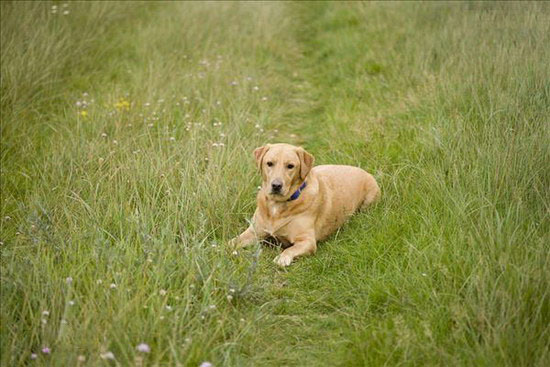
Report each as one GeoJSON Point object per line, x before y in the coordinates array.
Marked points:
{"type": "Point", "coordinates": [283, 259]}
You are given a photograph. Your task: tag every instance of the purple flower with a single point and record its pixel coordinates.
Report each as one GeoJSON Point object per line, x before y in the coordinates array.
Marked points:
{"type": "Point", "coordinates": [46, 350]}
{"type": "Point", "coordinates": [144, 348]}
{"type": "Point", "coordinates": [206, 364]}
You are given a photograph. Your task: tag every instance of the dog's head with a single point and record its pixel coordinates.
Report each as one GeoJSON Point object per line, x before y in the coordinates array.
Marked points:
{"type": "Point", "coordinates": [283, 167]}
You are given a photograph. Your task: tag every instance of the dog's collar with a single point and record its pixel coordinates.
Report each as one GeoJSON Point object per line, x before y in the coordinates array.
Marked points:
{"type": "Point", "coordinates": [297, 193]}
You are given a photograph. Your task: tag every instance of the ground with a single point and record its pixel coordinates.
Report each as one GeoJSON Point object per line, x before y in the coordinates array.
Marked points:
{"type": "Point", "coordinates": [126, 166]}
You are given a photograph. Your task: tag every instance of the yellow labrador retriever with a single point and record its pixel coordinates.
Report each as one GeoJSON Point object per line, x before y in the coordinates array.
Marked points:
{"type": "Point", "coordinates": [299, 204]}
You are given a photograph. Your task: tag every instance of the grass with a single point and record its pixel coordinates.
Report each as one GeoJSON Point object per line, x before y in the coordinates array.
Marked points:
{"type": "Point", "coordinates": [134, 193]}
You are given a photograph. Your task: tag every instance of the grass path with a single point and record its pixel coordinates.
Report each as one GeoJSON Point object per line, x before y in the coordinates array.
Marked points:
{"type": "Point", "coordinates": [133, 195]}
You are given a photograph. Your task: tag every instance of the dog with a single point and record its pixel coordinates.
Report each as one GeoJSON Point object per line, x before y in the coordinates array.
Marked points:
{"type": "Point", "coordinates": [298, 204]}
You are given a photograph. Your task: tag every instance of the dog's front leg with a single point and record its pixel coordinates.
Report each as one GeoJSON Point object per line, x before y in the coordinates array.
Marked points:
{"type": "Point", "coordinates": [246, 238]}
{"type": "Point", "coordinates": [302, 246]}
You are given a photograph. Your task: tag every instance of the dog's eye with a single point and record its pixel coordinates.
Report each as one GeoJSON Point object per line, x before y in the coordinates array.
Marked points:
{"type": "Point", "coordinates": [290, 166]}
{"type": "Point", "coordinates": [269, 164]}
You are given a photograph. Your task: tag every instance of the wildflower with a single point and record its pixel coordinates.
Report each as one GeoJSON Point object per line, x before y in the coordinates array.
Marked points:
{"type": "Point", "coordinates": [103, 135]}
{"type": "Point", "coordinates": [100, 161]}
{"type": "Point", "coordinates": [212, 307]}
{"type": "Point", "coordinates": [163, 292]}
{"type": "Point", "coordinates": [264, 98]}
{"type": "Point", "coordinates": [34, 355]}
{"type": "Point", "coordinates": [256, 87]}
{"type": "Point", "coordinates": [235, 253]}
{"type": "Point", "coordinates": [424, 274]}
{"type": "Point", "coordinates": [64, 322]}
{"type": "Point", "coordinates": [231, 290]}
{"type": "Point", "coordinates": [45, 313]}
{"type": "Point", "coordinates": [69, 280]}
{"type": "Point", "coordinates": [234, 82]}
{"type": "Point", "coordinates": [229, 297]}
{"type": "Point", "coordinates": [143, 348]}
{"type": "Point", "coordinates": [108, 355]}
{"type": "Point", "coordinates": [65, 12]}
{"type": "Point", "coordinates": [46, 350]}
{"type": "Point", "coordinates": [122, 105]}
{"type": "Point", "coordinates": [112, 286]}
{"type": "Point", "coordinates": [78, 103]}
{"type": "Point", "coordinates": [147, 104]}
{"type": "Point", "coordinates": [162, 317]}
{"type": "Point", "coordinates": [241, 320]}
{"type": "Point", "coordinates": [172, 138]}
{"type": "Point", "coordinates": [206, 364]}
{"type": "Point", "coordinates": [168, 308]}
{"type": "Point", "coordinates": [85, 94]}
{"type": "Point", "coordinates": [81, 358]}
{"type": "Point", "coordinates": [115, 142]}
{"type": "Point", "coordinates": [99, 281]}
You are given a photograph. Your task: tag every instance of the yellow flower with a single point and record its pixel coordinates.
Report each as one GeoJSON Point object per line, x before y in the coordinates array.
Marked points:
{"type": "Point", "coordinates": [83, 113]}
{"type": "Point", "coordinates": [122, 105]}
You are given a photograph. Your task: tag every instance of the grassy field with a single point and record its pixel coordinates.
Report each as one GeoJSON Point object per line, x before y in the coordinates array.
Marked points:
{"type": "Point", "coordinates": [126, 164]}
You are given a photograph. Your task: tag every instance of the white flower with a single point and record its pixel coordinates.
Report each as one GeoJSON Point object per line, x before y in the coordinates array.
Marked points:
{"type": "Point", "coordinates": [168, 308]}
{"type": "Point", "coordinates": [264, 98]}
{"type": "Point", "coordinates": [45, 313]}
{"type": "Point", "coordinates": [65, 12]}
{"type": "Point", "coordinates": [78, 103]}
{"type": "Point", "coordinates": [103, 135]}
{"type": "Point", "coordinates": [71, 303]}
{"type": "Point", "coordinates": [34, 355]}
{"type": "Point", "coordinates": [235, 253]}
{"type": "Point", "coordinates": [229, 297]}
{"type": "Point", "coordinates": [143, 348]}
{"type": "Point", "coordinates": [69, 280]}
{"type": "Point", "coordinates": [99, 281]}
{"type": "Point", "coordinates": [172, 138]}
{"type": "Point", "coordinates": [163, 292]}
{"type": "Point", "coordinates": [108, 355]}
{"type": "Point", "coordinates": [256, 87]}
{"type": "Point", "coordinates": [112, 286]}
{"type": "Point", "coordinates": [81, 358]}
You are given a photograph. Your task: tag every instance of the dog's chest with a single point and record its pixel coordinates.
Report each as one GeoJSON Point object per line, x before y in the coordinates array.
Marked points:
{"type": "Point", "coordinates": [276, 227]}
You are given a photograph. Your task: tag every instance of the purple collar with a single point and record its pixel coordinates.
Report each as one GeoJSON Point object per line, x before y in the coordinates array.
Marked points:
{"type": "Point", "coordinates": [297, 193]}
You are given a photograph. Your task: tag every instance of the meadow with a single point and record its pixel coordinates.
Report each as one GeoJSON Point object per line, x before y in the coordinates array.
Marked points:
{"type": "Point", "coordinates": [127, 132]}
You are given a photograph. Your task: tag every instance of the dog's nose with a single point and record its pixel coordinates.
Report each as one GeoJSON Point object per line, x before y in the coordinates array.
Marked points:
{"type": "Point", "coordinates": [276, 186]}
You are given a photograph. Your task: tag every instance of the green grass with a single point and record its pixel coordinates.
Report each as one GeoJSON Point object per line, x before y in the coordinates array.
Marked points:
{"type": "Point", "coordinates": [447, 104]}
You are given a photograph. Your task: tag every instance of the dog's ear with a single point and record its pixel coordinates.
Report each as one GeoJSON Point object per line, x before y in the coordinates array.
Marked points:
{"type": "Point", "coordinates": [259, 155]}
{"type": "Point", "coordinates": [306, 162]}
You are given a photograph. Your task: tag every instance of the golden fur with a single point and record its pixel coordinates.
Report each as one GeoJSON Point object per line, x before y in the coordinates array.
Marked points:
{"type": "Point", "coordinates": [333, 193]}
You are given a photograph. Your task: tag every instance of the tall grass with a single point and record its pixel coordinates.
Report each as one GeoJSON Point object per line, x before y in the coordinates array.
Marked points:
{"type": "Point", "coordinates": [126, 137]}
